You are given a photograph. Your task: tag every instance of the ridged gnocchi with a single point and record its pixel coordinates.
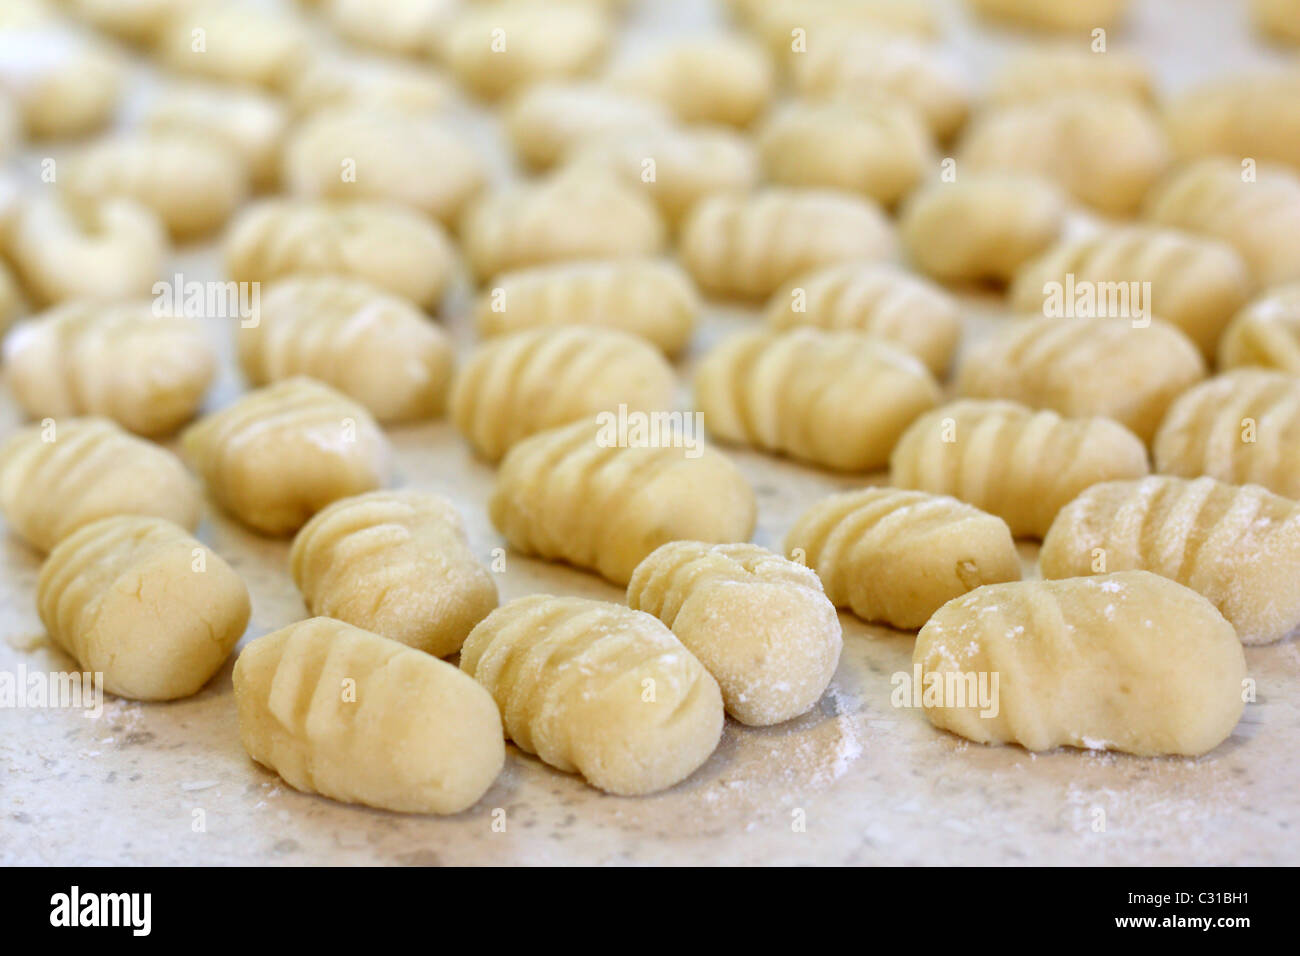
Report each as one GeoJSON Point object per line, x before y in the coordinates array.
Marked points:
{"type": "Point", "coordinates": [1011, 461]}
{"type": "Point", "coordinates": [649, 298]}
{"type": "Point", "coordinates": [64, 83]}
{"type": "Point", "coordinates": [748, 246]}
{"type": "Point", "coordinates": [397, 563]}
{"type": "Point", "coordinates": [982, 227]}
{"type": "Point", "coordinates": [1085, 367]}
{"type": "Point", "coordinates": [56, 477]}
{"type": "Point", "coordinates": [235, 41]}
{"type": "Point", "coordinates": [898, 556]}
{"type": "Point", "coordinates": [1240, 427]}
{"type": "Point", "coordinates": [149, 373]}
{"type": "Point", "coordinates": [338, 711]}
{"type": "Point", "coordinates": [1238, 545]}
{"type": "Point", "coordinates": [837, 399]}
{"type": "Point", "coordinates": [139, 600]}
{"type": "Point", "coordinates": [1128, 661]}
{"type": "Point", "coordinates": [1243, 116]}
{"type": "Point", "coordinates": [727, 79]}
{"type": "Point", "coordinates": [759, 623]}
{"type": "Point", "coordinates": [516, 385]}
{"type": "Point", "coordinates": [404, 27]}
{"type": "Point", "coordinates": [281, 453]}
{"type": "Point", "coordinates": [550, 119]}
{"type": "Point", "coordinates": [598, 689]}
{"type": "Point", "coordinates": [576, 494]}
{"type": "Point", "coordinates": [1061, 15]}
{"type": "Point", "coordinates": [1050, 69]}
{"type": "Point", "coordinates": [1195, 283]}
{"type": "Point", "coordinates": [878, 299]}
{"type": "Point", "coordinates": [372, 346]}
{"type": "Point", "coordinates": [383, 243]}
{"type": "Point", "coordinates": [1265, 333]}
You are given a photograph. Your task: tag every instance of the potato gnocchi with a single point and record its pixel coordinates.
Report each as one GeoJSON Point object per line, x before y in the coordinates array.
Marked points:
{"type": "Point", "coordinates": [404, 27]}
{"type": "Point", "coordinates": [64, 83]}
{"type": "Point", "coordinates": [400, 86]}
{"type": "Point", "coordinates": [728, 79]}
{"type": "Point", "coordinates": [1265, 333]}
{"type": "Point", "coordinates": [139, 600]}
{"type": "Point", "coordinates": [235, 41]}
{"type": "Point", "coordinates": [1061, 15]}
{"type": "Point", "coordinates": [550, 119]}
{"type": "Point", "coordinates": [1278, 18]}
{"type": "Point", "coordinates": [898, 556]}
{"type": "Point", "coordinates": [1049, 69]}
{"type": "Point", "coordinates": [598, 689]}
{"type": "Point", "coordinates": [1241, 116]}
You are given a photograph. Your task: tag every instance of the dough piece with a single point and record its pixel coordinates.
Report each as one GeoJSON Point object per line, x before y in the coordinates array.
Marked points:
{"type": "Point", "coordinates": [135, 21]}
{"type": "Point", "coordinates": [862, 67]}
{"type": "Point", "coordinates": [1237, 545]}
{"type": "Point", "coordinates": [1245, 116]}
{"type": "Point", "coordinates": [193, 184]}
{"type": "Point", "coordinates": [1240, 427]}
{"type": "Point", "coordinates": [878, 299]}
{"type": "Point", "coordinates": [548, 120]}
{"type": "Point", "coordinates": [364, 152]}
{"type": "Point", "coordinates": [64, 83]}
{"type": "Point", "coordinates": [982, 227]}
{"type": "Point", "coordinates": [147, 372]}
{"type": "Point", "coordinates": [678, 166]}
{"type": "Point", "coordinates": [1013, 462]}
{"type": "Point", "coordinates": [139, 600]}
{"type": "Point", "coordinates": [235, 41]}
{"type": "Point", "coordinates": [725, 79]}
{"type": "Point", "coordinates": [1105, 151]}
{"type": "Point", "coordinates": [12, 302]}
{"type": "Point", "coordinates": [1280, 19]}
{"type": "Point", "coordinates": [879, 149]}
{"type": "Point", "coordinates": [496, 49]}
{"type": "Point", "coordinates": [565, 216]}
{"type": "Point", "coordinates": [1128, 661]}
{"type": "Point", "coordinates": [339, 711]}
{"type": "Point", "coordinates": [598, 689]}
{"type": "Point", "coordinates": [386, 244]}
{"type": "Point", "coordinates": [1066, 16]}
{"type": "Point", "coordinates": [1260, 218]}
{"type": "Point", "coordinates": [56, 477]}
{"type": "Point", "coordinates": [517, 385]}
{"type": "Point", "coordinates": [793, 29]}
{"type": "Point", "coordinates": [1266, 332]}
{"type": "Point", "coordinates": [397, 563]}
{"type": "Point", "coordinates": [379, 82]}
{"type": "Point", "coordinates": [578, 494]}
{"type": "Point", "coordinates": [1049, 69]}
{"type": "Point", "coordinates": [1197, 284]}
{"type": "Point", "coordinates": [748, 246]}
{"type": "Point", "coordinates": [372, 346]}
{"type": "Point", "coordinates": [404, 27]}
{"type": "Point", "coordinates": [898, 556]}
{"type": "Point", "coordinates": [86, 250]}
{"type": "Point", "coordinates": [837, 399]}
{"type": "Point", "coordinates": [649, 298]}
{"type": "Point", "coordinates": [1085, 367]}
{"type": "Point", "coordinates": [281, 453]}
{"type": "Point", "coordinates": [760, 624]}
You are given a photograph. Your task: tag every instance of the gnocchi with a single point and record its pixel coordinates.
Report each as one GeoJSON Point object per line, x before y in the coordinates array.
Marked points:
{"type": "Point", "coordinates": [1278, 18]}
{"type": "Point", "coordinates": [546, 121]}
{"type": "Point", "coordinates": [360, 81]}
{"type": "Point", "coordinates": [727, 79]}
{"type": "Point", "coordinates": [63, 83]}
{"type": "Point", "coordinates": [234, 41]}
{"type": "Point", "coordinates": [1062, 15]}
{"type": "Point", "coordinates": [1265, 333]}
{"type": "Point", "coordinates": [1244, 116]}
{"type": "Point", "coordinates": [1047, 70]}
{"type": "Point", "coordinates": [136, 21]}
{"type": "Point", "coordinates": [404, 27]}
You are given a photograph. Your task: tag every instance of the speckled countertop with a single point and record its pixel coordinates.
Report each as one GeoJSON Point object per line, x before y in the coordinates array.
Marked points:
{"type": "Point", "coordinates": [854, 781]}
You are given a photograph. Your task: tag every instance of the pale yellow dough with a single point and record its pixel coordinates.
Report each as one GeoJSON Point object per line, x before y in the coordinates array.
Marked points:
{"type": "Point", "coordinates": [405, 27]}
{"type": "Point", "coordinates": [550, 119]}
{"type": "Point", "coordinates": [1238, 545]}
{"type": "Point", "coordinates": [1062, 15]}
{"type": "Point", "coordinates": [1243, 116]}
{"type": "Point", "coordinates": [897, 556]}
{"type": "Point", "coordinates": [58, 476]}
{"type": "Point", "coordinates": [1266, 332]}
{"type": "Point", "coordinates": [65, 83]}
{"type": "Point", "coordinates": [1279, 19]}
{"type": "Point", "coordinates": [575, 494]}
{"type": "Point", "coordinates": [135, 21]}
{"type": "Point", "coordinates": [598, 689]}
{"type": "Point", "coordinates": [338, 711]}
{"type": "Point", "coordinates": [726, 79]}
{"type": "Point", "coordinates": [235, 41]}
{"type": "Point", "coordinates": [1049, 69]}
{"type": "Point", "coordinates": [139, 600]}
{"type": "Point", "coordinates": [397, 563]}
{"type": "Point", "coordinates": [281, 453]}
{"type": "Point", "coordinates": [1128, 661]}
{"type": "Point", "coordinates": [381, 82]}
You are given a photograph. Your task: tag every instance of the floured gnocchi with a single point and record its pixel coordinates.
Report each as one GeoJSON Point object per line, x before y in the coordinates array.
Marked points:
{"type": "Point", "coordinates": [1265, 333]}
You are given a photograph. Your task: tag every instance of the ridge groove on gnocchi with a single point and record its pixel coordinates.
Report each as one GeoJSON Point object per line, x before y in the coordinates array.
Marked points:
{"type": "Point", "coordinates": [1265, 333]}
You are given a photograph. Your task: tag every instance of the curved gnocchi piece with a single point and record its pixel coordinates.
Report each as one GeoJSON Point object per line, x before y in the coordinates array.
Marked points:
{"type": "Point", "coordinates": [1239, 546]}
{"type": "Point", "coordinates": [517, 385]}
{"type": "Point", "coordinates": [59, 476]}
{"type": "Point", "coordinates": [598, 689]}
{"type": "Point", "coordinates": [1085, 367]}
{"type": "Point", "coordinates": [837, 399]}
{"type": "Point", "coordinates": [898, 556]}
{"type": "Point", "coordinates": [404, 27]}
{"type": "Point", "coordinates": [372, 346]}
{"type": "Point", "coordinates": [397, 563]}
{"type": "Point", "coordinates": [649, 298]}
{"type": "Point", "coordinates": [338, 711]}
{"type": "Point", "coordinates": [1013, 462]}
{"type": "Point", "coordinates": [1128, 661]}
{"type": "Point", "coordinates": [139, 600]}
{"type": "Point", "coordinates": [235, 41]}
{"type": "Point", "coordinates": [1265, 333]}
{"type": "Point", "coordinates": [548, 120]}
{"type": "Point", "coordinates": [1240, 427]}
{"type": "Point", "coordinates": [1250, 115]}
{"type": "Point", "coordinates": [748, 246]}
{"type": "Point", "coordinates": [386, 244]}
{"type": "Point", "coordinates": [1278, 18]}
{"type": "Point", "coordinates": [1049, 69]}
{"type": "Point", "coordinates": [760, 624]}
{"type": "Point", "coordinates": [1061, 15]}
{"type": "Point", "coordinates": [727, 79]}
{"type": "Point", "coordinates": [577, 494]}
{"type": "Point", "coordinates": [147, 372]}
{"type": "Point", "coordinates": [64, 83]}
{"type": "Point", "coordinates": [281, 453]}
{"type": "Point", "coordinates": [1195, 283]}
